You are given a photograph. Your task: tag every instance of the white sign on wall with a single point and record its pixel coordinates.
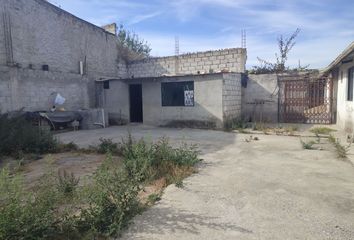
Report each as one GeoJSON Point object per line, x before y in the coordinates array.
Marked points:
{"type": "Point", "coordinates": [189, 98]}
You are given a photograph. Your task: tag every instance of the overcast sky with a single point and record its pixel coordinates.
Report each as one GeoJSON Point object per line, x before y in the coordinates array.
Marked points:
{"type": "Point", "coordinates": [327, 26]}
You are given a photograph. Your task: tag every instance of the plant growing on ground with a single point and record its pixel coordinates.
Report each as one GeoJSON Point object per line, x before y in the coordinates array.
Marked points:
{"type": "Point", "coordinates": [108, 146]}
{"type": "Point", "coordinates": [322, 130]}
{"type": "Point", "coordinates": [26, 215]}
{"type": "Point", "coordinates": [153, 198]}
{"type": "Point", "coordinates": [67, 183]}
{"type": "Point", "coordinates": [18, 136]}
{"type": "Point", "coordinates": [112, 201]}
{"type": "Point", "coordinates": [307, 145]}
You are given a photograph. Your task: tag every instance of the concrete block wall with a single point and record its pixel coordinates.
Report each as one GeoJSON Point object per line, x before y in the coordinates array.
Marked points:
{"type": "Point", "coordinates": [261, 89]}
{"type": "Point", "coordinates": [232, 60]}
{"type": "Point", "coordinates": [43, 34]}
{"type": "Point", "coordinates": [231, 96]}
{"type": "Point", "coordinates": [35, 90]}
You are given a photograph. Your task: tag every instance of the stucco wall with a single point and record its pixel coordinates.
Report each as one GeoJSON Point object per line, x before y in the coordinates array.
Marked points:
{"type": "Point", "coordinates": [115, 101]}
{"type": "Point", "coordinates": [233, 60]}
{"type": "Point", "coordinates": [44, 34]}
{"type": "Point", "coordinates": [231, 96]}
{"type": "Point", "coordinates": [35, 90]}
{"type": "Point", "coordinates": [261, 89]}
{"type": "Point", "coordinates": [345, 109]}
{"type": "Point", "coordinates": [208, 92]}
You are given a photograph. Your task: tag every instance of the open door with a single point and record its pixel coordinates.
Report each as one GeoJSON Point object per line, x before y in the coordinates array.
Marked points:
{"type": "Point", "coordinates": [136, 103]}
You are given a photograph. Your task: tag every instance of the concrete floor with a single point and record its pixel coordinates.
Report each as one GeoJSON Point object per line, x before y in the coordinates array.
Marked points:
{"type": "Point", "coordinates": [266, 189]}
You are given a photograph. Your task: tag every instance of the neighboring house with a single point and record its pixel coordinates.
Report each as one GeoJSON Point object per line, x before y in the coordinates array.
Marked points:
{"type": "Point", "coordinates": [45, 50]}
{"type": "Point", "coordinates": [196, 90]}
{"type": "Point", "coordinates": [341, 70]}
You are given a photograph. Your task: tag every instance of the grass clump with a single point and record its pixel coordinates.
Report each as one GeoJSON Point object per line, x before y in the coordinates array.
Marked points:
{"type": "Point", "coordinates": [322, 130]}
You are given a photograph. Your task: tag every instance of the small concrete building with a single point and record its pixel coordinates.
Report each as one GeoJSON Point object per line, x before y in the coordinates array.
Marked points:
{"type": "Point", "coordinates": [341, 70]}
{"type": "Point", "coordinates": [204, 92]}
{"type": "Point", "coordinates": [45, 51]}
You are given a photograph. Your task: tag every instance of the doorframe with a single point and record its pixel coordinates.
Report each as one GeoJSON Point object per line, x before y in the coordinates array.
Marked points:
{"type": "Point", "coordinates": [130, 103]}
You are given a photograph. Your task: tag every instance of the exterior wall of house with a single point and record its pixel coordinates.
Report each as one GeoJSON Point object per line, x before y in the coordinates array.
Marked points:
{"type": "Point", "coordinates": [232, 97]}
{"type": "Point", "coordinates": [115, 101]}
{"type": "Point", "coordinates": [217, 98]}
{"type": "Point", "coordinates": [261, 89]}
{"type": "Point", "coordinates": [207, 110]}
{"type": "Point", "coordinates": [44, 34]}
{"type": "Point", "coordinates": [345, 109]}
{"type": "Point", "coordinates": [34, 33]}
{"type": "Point", "coordinates": [231, 60]}
{"type": "Point", "coordinates": [35, 90]}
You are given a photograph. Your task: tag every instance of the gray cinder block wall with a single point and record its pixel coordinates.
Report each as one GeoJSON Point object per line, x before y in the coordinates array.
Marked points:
{"type": "Point", "coordinates": [35, 90]}
{"type": "Point", "coordinates": [232, 94]}
{"type": "Point", "coordinates": [34, 33]}
{"type": "Point", "coordinates": [260, 98]}
{"type": "Point", "coordinates": [226, 60]}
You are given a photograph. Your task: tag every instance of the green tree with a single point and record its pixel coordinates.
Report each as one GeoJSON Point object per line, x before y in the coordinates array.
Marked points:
{"type": "Point", "coordinates": [131, 47]}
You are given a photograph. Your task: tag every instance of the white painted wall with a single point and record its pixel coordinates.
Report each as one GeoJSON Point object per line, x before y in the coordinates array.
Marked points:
{"type": "Point", "coordinates": [345, 109]}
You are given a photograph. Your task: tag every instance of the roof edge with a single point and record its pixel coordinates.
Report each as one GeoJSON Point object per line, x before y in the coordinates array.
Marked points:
{"type": "Point", "coordinates": [340, 57]}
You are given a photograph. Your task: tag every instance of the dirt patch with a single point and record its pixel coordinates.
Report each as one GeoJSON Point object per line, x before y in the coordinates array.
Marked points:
{"type": "Point", "coordinates": [81, 165]}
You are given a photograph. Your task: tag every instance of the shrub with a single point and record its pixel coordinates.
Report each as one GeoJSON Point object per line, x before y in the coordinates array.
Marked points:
{"type": "Point", "coordinates": [17, 136]}
{"type": "Point", "coordinates": [25, 215]}
{"type": "Point", "coordinates": [112, 201]}
{"type": "Point", "coordinates": [108, 146]}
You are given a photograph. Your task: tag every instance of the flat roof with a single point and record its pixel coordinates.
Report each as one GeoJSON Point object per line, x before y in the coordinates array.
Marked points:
{"type": "Point", "coordinates": [165, 76]}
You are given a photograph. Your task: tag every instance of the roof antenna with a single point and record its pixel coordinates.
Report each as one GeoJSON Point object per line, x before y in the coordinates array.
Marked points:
{"type": "Point", "coordinates": [176, 55]}
{"type": "Point", "coordinates": [243, 38]}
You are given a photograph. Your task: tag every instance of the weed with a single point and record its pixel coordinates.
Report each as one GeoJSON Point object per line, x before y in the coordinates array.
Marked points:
{"type": "Point", "coordinates": [322, 130]}
{"type": "Point", "coordinates": [341, 150]}
{"type": "Point", "coordinates": [332, 139]}
{"type": "Point", "coordinates": [67, 183]}
{"type": "Point", "coordinates": [67, 147]}
{"type": "Point", "coordinates": [179, 184]}
{"type": "Point", "coordinates": [108, 146]}
{"type": "Point", "coordinates": [112, 202]}
{"type": "Point", "coordinates": [153, 198]}
{"type": "Point", "coordinates": [307, 145]}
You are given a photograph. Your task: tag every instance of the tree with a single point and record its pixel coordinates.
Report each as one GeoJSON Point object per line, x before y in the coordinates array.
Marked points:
{"type": "Point", "coordinates": [285, 45]}
{"type": "Point", "coordinates": [131, 47]}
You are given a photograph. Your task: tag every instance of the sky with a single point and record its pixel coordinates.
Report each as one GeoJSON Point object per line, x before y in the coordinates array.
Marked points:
{"type": "Point", "coordinates": [327, 26]}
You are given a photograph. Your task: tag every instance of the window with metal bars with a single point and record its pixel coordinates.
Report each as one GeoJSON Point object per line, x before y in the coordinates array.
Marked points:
{"type": "Point", "coordinates": [176, 94]}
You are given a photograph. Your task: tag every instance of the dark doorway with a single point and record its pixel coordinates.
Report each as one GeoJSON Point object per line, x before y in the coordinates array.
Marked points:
{"type": "Point", "coordinates": [136, 103]}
